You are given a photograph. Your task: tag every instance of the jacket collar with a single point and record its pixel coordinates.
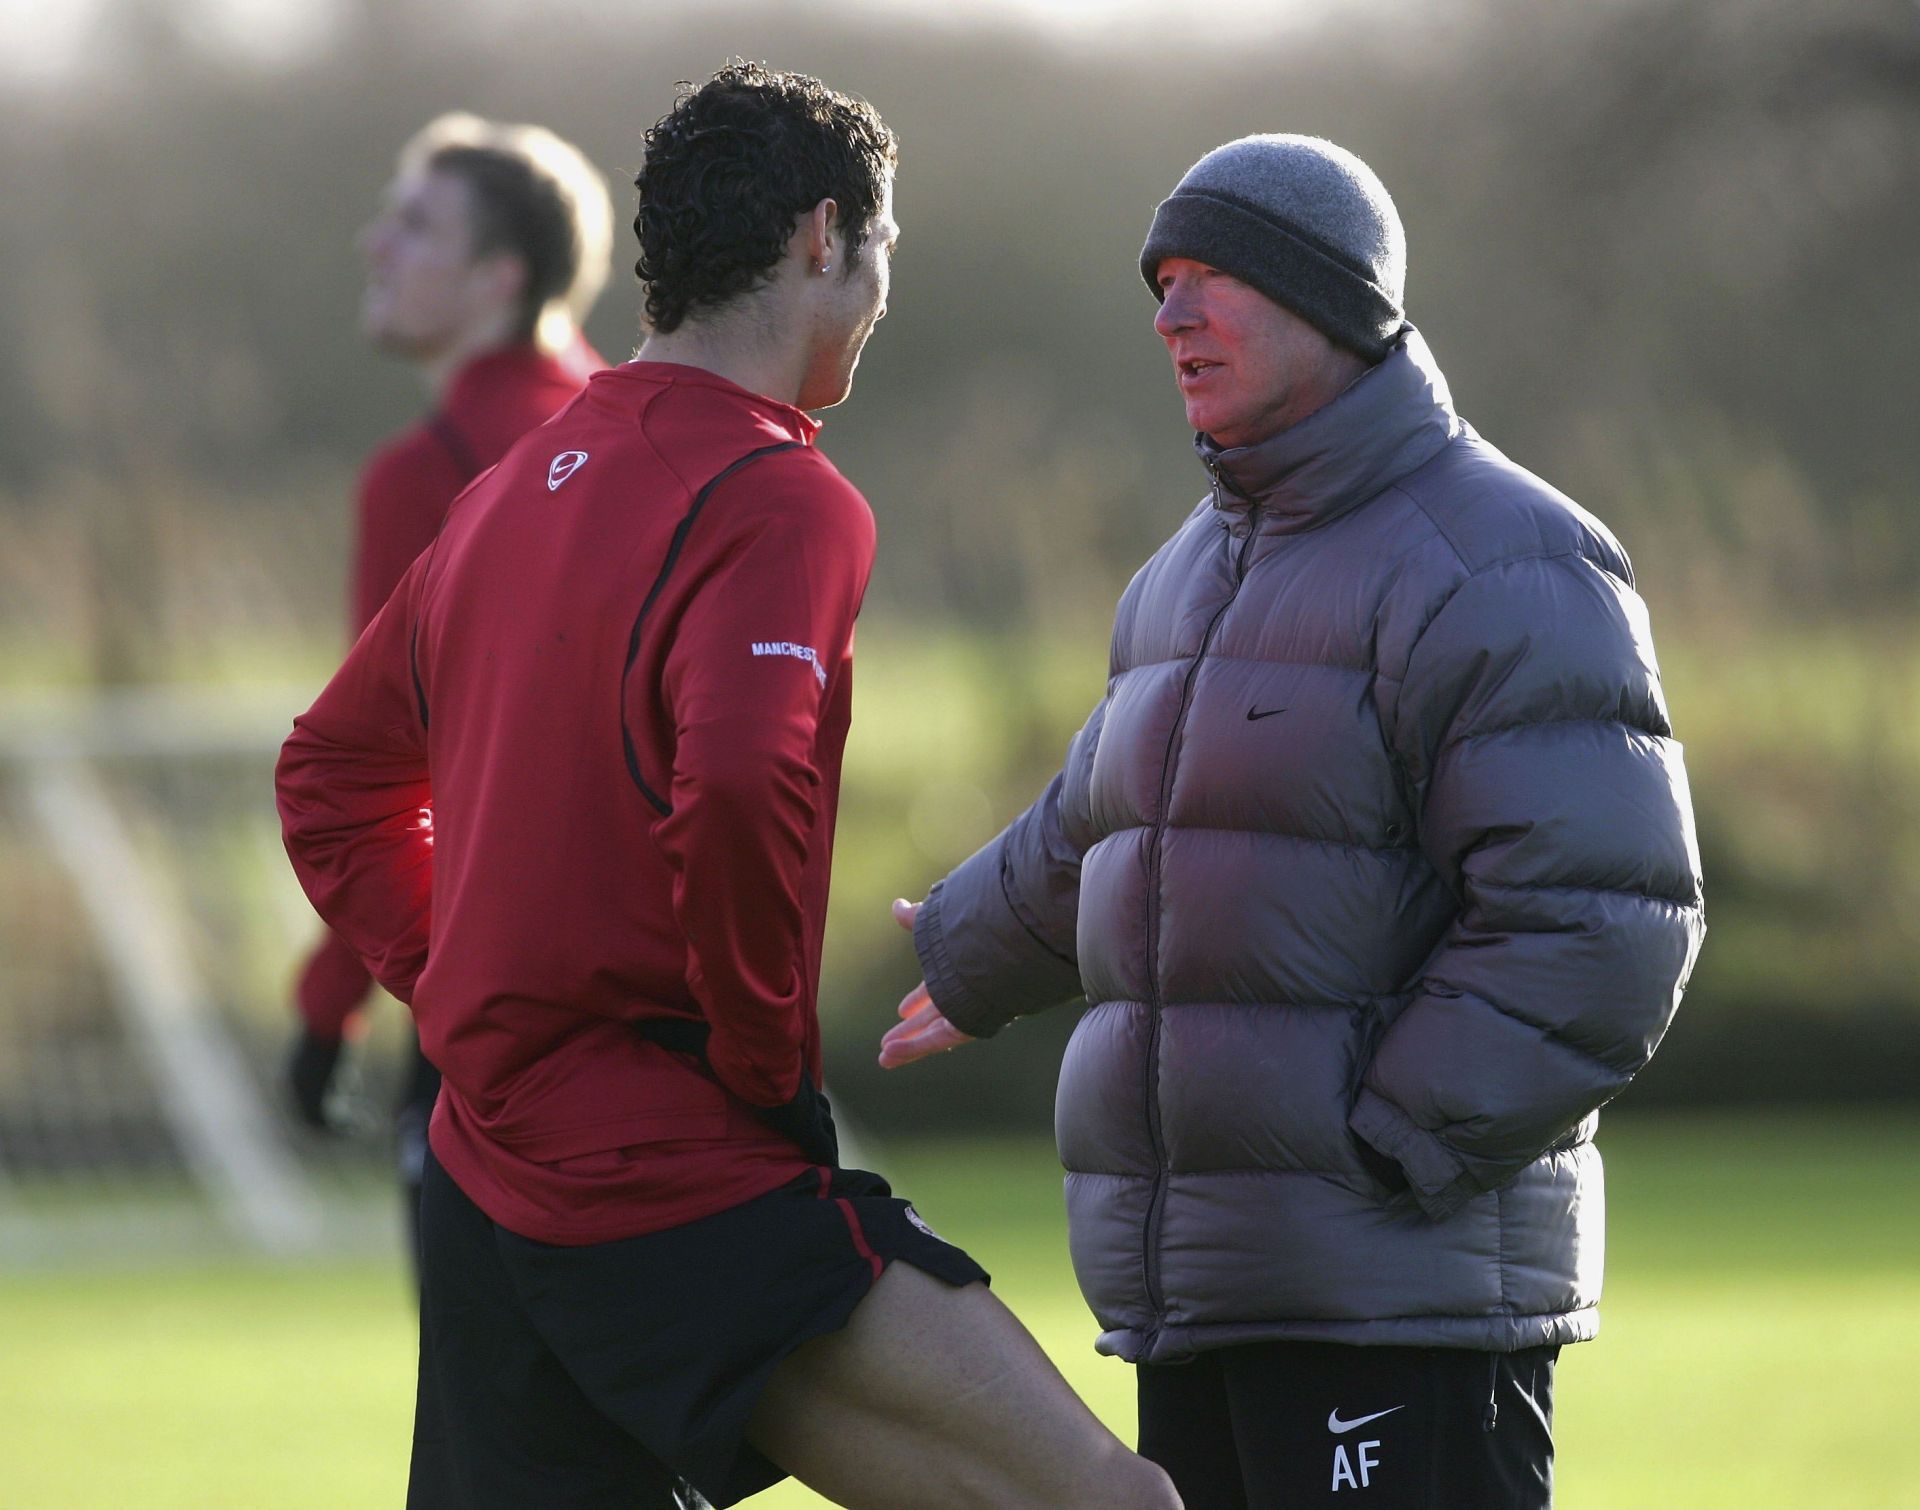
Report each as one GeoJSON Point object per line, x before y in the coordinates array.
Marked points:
{"type": "Point", "coordinates": [1393, 419]}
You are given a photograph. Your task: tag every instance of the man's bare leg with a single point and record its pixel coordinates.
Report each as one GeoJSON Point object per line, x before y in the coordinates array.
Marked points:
{"type": "Point", "coordinates": [936, 1397]}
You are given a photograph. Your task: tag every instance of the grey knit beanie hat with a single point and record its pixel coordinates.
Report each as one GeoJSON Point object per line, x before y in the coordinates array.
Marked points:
{"type": "Point", "coordinates": [1305, 222]}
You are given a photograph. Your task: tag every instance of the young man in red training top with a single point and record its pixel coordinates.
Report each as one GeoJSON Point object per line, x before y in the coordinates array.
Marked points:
{"type": "Point", "coordinates": [572, 796]}
{"type": "Point", "coordinates": [493, 242]}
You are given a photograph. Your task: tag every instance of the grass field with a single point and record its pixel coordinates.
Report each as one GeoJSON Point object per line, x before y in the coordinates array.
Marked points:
{"type": "Point", "coordinates": [1762, 1330]}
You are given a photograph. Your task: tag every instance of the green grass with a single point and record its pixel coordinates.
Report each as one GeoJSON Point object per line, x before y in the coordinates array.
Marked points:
{"type": "Point", "coordinates": [1762, 1321]}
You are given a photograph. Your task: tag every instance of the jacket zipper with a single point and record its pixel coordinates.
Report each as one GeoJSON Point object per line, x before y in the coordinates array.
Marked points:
{"type": "Point", "coordinates": [1150, 1252]}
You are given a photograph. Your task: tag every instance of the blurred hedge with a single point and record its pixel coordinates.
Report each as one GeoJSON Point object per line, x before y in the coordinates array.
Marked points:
{"type": "Point", "coordinates": [1658, 247]}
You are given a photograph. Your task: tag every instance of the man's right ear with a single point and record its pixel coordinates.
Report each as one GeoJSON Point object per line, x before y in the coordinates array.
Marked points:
{"type": "Point", "coordinates": [822, 242]}
{"type": "Point", "coordinates": [505, 274]}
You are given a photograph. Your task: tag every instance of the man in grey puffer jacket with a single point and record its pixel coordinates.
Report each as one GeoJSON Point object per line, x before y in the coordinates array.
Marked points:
{"type": "Point", "coordinates": [1376, 867]}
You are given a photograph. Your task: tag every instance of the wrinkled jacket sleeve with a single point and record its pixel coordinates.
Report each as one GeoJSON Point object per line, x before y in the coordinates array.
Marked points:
{"type": "Point", "coordinates": [356, 806]}
{"type": "Point", "coordinates": [996, 937]}
{"type": "Point", "coordinates": [1553, 803]}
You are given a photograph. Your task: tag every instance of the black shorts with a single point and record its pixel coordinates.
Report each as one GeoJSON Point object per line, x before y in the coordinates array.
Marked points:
{"type": "Point", "coordinates": [1282, 1425]}
{"type": "Point", "coordinates": [623, 1373]}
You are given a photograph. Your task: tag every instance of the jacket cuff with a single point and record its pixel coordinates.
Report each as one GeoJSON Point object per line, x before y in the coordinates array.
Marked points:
{"type": "Point", "coordinates": [1434, 1172]}
{"type": "Point", "coordinates": [982, 966]}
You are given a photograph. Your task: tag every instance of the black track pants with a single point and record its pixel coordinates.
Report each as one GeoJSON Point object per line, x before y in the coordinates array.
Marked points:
{"type": "Point", "coordinates": [1274, 1426]}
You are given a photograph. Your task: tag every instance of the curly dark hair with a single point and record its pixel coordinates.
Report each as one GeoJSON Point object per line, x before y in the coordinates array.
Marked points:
{"type": "Point", "coordinates": [730, 169]}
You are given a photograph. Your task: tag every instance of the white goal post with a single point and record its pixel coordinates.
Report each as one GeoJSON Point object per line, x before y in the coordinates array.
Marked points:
{"type": "Point", "coordinates": [50, 743]}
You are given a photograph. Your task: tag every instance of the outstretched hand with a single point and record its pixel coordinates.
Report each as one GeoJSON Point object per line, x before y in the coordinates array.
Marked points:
{"type": "Point", "coordinates": [922, 1030]}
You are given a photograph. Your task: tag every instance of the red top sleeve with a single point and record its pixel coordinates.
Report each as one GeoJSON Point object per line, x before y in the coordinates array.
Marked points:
{"type": "Point", "coordinates": [404, 493]}
{"type": "Point", "coordinates": [759, 651]}
{"type": "Point", "coordinates": [356, 807]}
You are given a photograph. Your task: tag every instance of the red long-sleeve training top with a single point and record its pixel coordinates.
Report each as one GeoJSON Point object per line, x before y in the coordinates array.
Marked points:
{"type": "Point", "coordinates": [583, 768]}
{"type": "Point", "coordinates": [405, 488]}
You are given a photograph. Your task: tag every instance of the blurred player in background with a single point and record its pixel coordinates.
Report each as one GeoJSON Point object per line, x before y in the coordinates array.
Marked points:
{"type": "Point", "coordinates": [572, 797]}
{"type": "Point", "coordinates": [492, 245]}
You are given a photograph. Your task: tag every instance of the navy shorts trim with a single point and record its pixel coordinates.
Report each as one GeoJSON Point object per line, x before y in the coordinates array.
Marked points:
{"type": "Point", "coordinates": [624, 1373]}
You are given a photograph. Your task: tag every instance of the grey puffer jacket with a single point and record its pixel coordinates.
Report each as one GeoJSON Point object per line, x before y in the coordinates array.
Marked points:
{"type": "Point", "coordinates": [1376, 866]}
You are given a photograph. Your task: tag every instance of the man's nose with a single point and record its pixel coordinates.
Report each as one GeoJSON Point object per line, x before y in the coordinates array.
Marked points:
{"type": "Point", "coordinates": [372, 240]}
{"type": "Point", "coordinates": [1177, 311]}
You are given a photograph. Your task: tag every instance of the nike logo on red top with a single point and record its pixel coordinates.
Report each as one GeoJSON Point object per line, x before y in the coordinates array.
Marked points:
{"type": "Point", "coordinates": [564, 466]}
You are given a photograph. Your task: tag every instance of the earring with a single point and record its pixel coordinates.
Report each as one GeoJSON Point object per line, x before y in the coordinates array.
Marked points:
{"type": "Point", "coordinates": [826, 267]}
